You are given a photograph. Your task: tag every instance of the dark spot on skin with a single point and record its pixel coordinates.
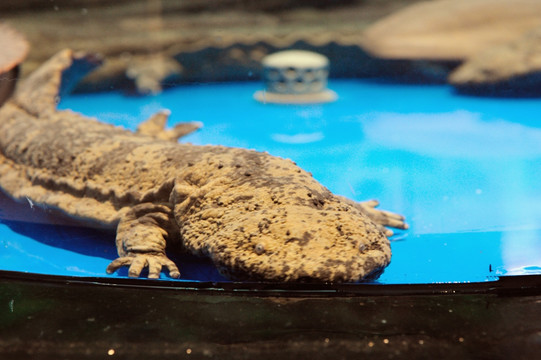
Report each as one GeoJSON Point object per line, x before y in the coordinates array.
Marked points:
{"type": "Point", "coordinates": [339, 276]}
{"type": "Point", "coordinates": [263, 225]}
{"type": "Point", "coordinates": [306, 237]}
{"type": "Point", "coordinates": [243, 198]}
{"type": "Point", "coordinates": [323, 273]}
{"type": "Point", "coordinates": [318, 203]}
{"type": "Point", "coordinates": [221, 248]}
{"type": "Point", "coordinates": [349, 264]}
{"type": "Point", "coordinates": [333, 262]}
{"type": "Point", "coordinates": [376, 247]}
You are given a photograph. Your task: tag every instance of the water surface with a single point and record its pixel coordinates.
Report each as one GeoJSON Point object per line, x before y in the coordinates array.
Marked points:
{"type": "Point", "coordinates": [464, 171]}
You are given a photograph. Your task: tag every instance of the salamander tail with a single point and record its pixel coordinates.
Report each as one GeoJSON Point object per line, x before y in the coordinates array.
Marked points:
{"type": "Point", "coordinates": [40, 93]}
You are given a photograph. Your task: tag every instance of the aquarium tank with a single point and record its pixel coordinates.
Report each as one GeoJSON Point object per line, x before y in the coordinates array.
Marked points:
{"type": "Point", "coordinates": [232, 179]}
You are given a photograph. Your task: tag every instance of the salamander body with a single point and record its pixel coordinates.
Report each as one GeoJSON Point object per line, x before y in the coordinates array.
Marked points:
{"type": "Point", "coordinates": [257, 216]}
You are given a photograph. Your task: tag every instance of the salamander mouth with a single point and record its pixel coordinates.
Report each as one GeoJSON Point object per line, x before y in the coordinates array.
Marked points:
{"type": "Point", "coordinates": [331, 271]}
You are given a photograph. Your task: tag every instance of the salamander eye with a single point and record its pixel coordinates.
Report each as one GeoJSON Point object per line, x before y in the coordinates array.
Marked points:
{"type": "Point", "coordinates": [259, 249]}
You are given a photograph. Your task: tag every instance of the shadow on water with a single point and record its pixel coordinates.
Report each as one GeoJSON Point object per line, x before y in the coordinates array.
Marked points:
{"type": "Point", "coordinates": [52, 229]}
{"type": "Point", "coordinates": [37, 227]}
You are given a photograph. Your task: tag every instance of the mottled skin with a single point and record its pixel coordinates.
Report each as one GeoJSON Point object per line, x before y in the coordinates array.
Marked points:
{"type": "Point", "coordinates": [256, 216]}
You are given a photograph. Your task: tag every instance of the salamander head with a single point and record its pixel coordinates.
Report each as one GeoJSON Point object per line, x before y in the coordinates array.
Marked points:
{"type": "Point", "coordinates": [298, 243]}
{"type": "Point", "coordinates": [264, 218]}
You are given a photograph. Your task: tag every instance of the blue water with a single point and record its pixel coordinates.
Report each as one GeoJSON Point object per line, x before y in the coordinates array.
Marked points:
{"type": "Point", "coordinates": [464, 171]}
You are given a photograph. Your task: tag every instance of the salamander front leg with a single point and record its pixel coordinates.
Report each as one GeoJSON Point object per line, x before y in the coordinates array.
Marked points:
{"type": "Point", "coordinates": [141, 239]}
{"type": "Point", "coordinates": [381, 218]}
